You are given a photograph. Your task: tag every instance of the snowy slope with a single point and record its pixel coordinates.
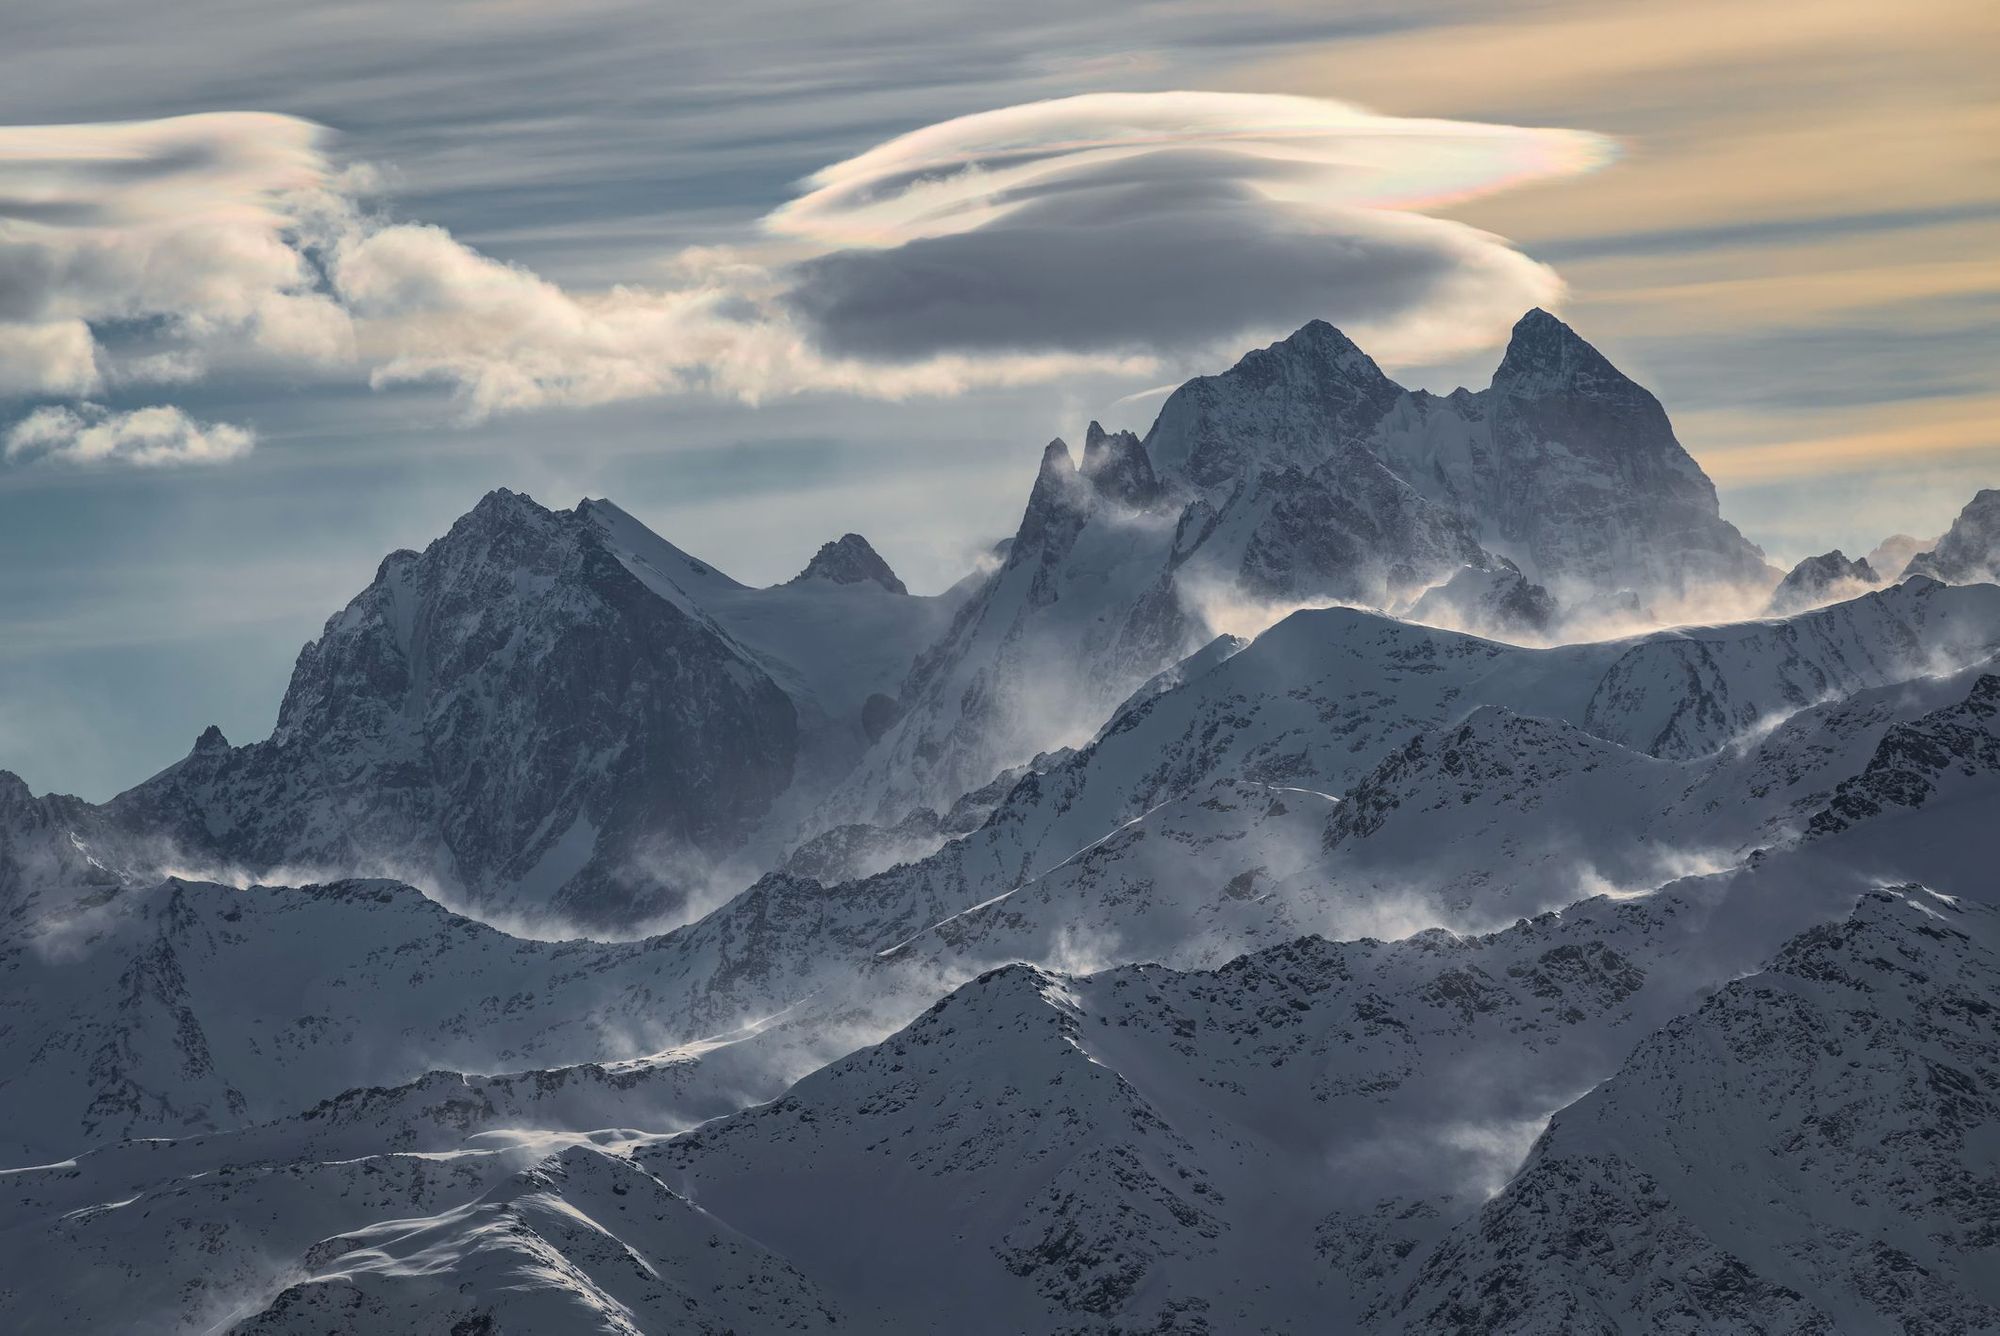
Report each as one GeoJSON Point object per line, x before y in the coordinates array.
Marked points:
{"type": "Point", "coordinates": [1970, 549]}
{"type": "Point", "coordinates": [583, 1242]}
{"type": "Point", "coordinates": [193, 1007]}
{"type": "Point", "coordinates": [1117, 973]}
{"type": "Point", "coordinates": [559, 710]}
{"type": "Point", "coordinates": [1938, 756]}
{"type": "Point", "coordinates": [1570, 469]}
{"type": "Point", "coordinates": [1812, 1150]}
{"type": "Point", "coordinates": [510, 716]}
{"type": "Point", "coordinates": [1503, 814]}
{"type": "Point", "coordinates": [1376, 1059]}
{"type": "Point", "coordinates": [1099, 1153]}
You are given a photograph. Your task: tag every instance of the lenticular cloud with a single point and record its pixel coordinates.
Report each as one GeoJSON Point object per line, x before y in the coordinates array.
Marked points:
{"type": "Point", "coordinates": [1170, 224]}
{"type": "Point", "coordinates": [1110, 232]}
{"type": "Point", "coordinates": [964, 173]}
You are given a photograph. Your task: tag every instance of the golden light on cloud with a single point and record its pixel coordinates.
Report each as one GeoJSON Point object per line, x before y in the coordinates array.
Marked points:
{"type": "Point", "coordinates": [1911, 432]}
{"type": "Point", "coordinates": [1807, 281]}
{"type": "Point", "coordinates": [967, 172]}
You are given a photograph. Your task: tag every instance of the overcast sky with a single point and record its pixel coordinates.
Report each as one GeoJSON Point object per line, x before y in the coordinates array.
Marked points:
{"type": "Point", "coordinates": [286, 286]}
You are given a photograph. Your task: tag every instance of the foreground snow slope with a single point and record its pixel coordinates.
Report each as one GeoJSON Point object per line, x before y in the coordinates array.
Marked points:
{"type": "Point", "coordinates": [1817, 1148]}
{"type": "Point", "coordinates": [1336, 1109]}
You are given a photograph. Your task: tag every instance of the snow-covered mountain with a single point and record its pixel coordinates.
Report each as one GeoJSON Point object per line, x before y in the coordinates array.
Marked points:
{"type": "Point", "coordinates": [1485, 782]}
{"type": "Point", "coordinates": [1935, 755]}
{"type": "Point", "coordinates": [849, 559]}
{"type": "Point", "coordinates": [543, 711]}
{"type": "Point", "coordinates": [1247, 906]}
{"type": "Point", "coordinates": [514, 714]}
{"type": "Point", "coordinates": [1811, 1150]}
{"type": "Point", "coordinates": [1155, 1172]}
{"type": "Point", "coordinates": [1303, 1134]}
{"type": "Point", "coordinates": [1827, 578]}
{"type": "Point", "coordinates": [560, 713]}
{"type": "Point", "coordinates": [1970, 549]}
{"type": "Point", "coordinates": [1499, 602]}
{"type": "Point", "coordinates": [1305, 476]}
{"type": "Point", "coordinates": [1571, 470]}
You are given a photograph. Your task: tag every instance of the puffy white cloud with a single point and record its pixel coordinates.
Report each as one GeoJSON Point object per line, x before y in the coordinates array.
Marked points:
{"type": "Point", "coordinates": [195, 227]}
{"type": "Point", "coordinates": [1104, 233]}
{"type": "Point", "coordinates": [144, 437]}
{"type": "Point", "coordinates": [47, 357]}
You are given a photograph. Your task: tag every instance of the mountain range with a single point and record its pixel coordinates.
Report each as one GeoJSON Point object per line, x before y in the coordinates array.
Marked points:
{"type": "Point", "coordinates": [1354, 858]}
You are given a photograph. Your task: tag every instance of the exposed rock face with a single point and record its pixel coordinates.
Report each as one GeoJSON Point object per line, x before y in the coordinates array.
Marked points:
{"type": "Point", "coordinates": [1498, 602]}
{"type": "Point", "coordinates": [545, 713]}
{"type": "Point", "coordinates": [1717, 1182]}
{"type": "Point", "coordinates": [1572, 470]}
{"type": "Point", "coordinates": [848, 853]}
{"type": "Point", "coordinates": [1080, 609]}
{"type": "Point", "coordinates": [1826, 578]}
{"type": "Point", "coordinates": [1917, 760]}
{"type": "Point", "coordinates": [1305, 475]}
{"type": "Point", "coordinates": [1116, 464]}
{"type": "Point", "coordinates": [511, 714]}
{"type": "Point", "coordinates": [850, 560]}
{"type": "Point", "coordinates": [1308, 1136]}
{"type": "Point", "coordinates": [1969, 552]}
{"type": "Point", "coordinates": [1284, 495]}
{"type": "Point", "coordinates": [48, 847]}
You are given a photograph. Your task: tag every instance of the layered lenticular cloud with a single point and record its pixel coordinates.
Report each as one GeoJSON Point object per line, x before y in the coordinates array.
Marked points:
{"type": "Point", "coordinates": [964, 173]}
{"type": "Point", "coordinates": [1110, 232]}
{"type": "Point", "coordinates": [1165, 223]}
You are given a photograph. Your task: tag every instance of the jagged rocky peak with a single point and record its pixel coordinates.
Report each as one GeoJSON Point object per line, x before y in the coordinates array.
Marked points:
{"type": "Point", "coordinates": [1542, 350]}
{"type": "Point", "coordinates": [1825, 578]}
{"type": "Point", "coordinates": [1293, 403]}
{"type": "Point", "coordinates": [1581, 478]}
{"type": "Point", "coordinates": [1057, 504]}
{"type": "Point", "coordinates": [850, 560]}
{"type": "Point", "coordinates": [1969, 553]}
{"type": "Point", "coordinates": [1116, 464]}
{"type": "Point", "coordinates": [503, 508]}
{"type": "Point", "coordinates": [515, 712]}
{"type": "Point", "coordinates": [1611, 413]}
{"type": "Point", "coordinates": [1322, 348]}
